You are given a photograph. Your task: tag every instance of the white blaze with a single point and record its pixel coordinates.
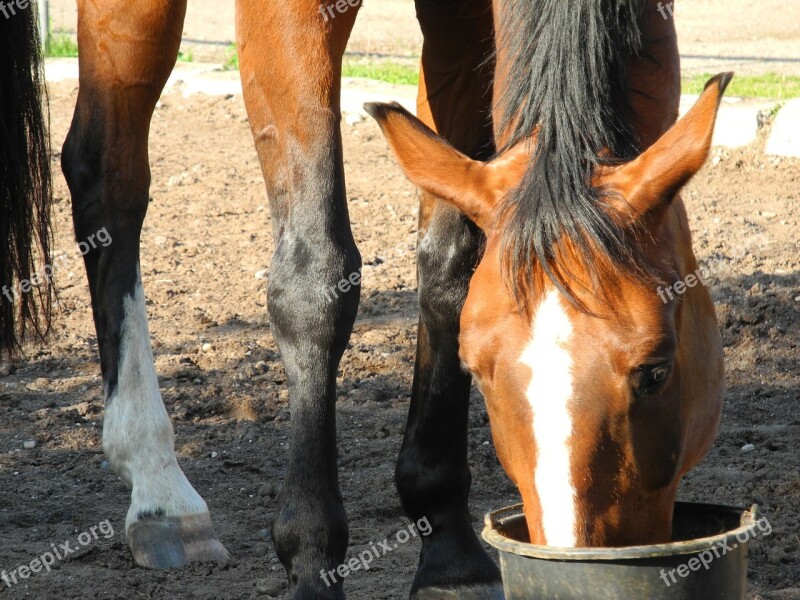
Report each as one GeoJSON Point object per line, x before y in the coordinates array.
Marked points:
{"type": "Point", "coordinates": [549, 394]}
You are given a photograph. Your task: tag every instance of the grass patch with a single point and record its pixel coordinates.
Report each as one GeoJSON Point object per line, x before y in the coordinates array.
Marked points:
{"type": "Point", "coordinates": [771, 85]}
{"type": "Point", "coordinates": [187, 56]}
{"type": "Point", "coordinates": [382, 71]}
{"type": "Point", "coordinates": [62, 46]}
{"type": "Point", "coordinates": [231, 62]}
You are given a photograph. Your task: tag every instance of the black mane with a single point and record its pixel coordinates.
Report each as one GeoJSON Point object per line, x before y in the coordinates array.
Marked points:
{"type": "Point", "coordinates": [567, 61]}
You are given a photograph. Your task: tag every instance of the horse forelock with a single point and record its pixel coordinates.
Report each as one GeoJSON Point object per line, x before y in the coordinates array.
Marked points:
{"type": "Point", "coordinates": [568, 82]}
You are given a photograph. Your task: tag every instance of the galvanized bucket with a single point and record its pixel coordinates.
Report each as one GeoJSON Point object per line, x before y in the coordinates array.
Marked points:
{"type": "Point", "coordinates": [706, 561]}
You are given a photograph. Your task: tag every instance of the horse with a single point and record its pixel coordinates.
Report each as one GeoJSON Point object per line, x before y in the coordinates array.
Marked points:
{"type": "Point", "coordinates": [550, 165]}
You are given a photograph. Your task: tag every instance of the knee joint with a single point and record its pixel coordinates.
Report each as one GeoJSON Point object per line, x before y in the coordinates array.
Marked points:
{"type": "Point", "coordinates": [446, 261]}
{"type": "Point", "coordinates": [314, 289]}
{"type": "Point", "coordinates": [96, 173]}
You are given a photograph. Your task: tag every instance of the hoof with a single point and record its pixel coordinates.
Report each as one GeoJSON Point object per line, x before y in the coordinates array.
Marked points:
{"type": "Point", "coordinates": [491, 591]}
{"type": "Point", "coordinates": [172, 542]}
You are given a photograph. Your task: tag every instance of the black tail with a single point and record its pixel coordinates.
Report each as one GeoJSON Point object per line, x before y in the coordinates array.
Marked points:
{"type": "Point", "coordinates": [26, 298]}
{"type": "Point", "coordinates": [567, 61]}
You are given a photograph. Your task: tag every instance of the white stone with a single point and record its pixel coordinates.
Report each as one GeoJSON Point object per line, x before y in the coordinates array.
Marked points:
{"type": "Point", "coordinates": [784, 140]}
{"type": "Point", "coordinates": [353, 118]}
{"type": "Point", "coordinates": [737, 120]}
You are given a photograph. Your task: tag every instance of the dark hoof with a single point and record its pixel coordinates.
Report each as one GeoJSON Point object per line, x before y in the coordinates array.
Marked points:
{"type": "Point", "coordinates": [173, 542]}
{"type": "Point", "coordinates": [468, 592]}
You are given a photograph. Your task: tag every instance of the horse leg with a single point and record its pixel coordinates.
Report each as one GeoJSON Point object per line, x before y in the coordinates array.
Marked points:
{"type": "Point", "coordinates": [655, 77]}
{"type": "Point", "coordinates": [290, 59]}
{"type": "Point", "coordinates": [127, 52]}
{"type": "Point", "coordinates": [432, 473]}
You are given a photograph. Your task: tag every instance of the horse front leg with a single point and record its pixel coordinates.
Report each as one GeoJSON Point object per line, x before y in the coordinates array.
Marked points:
{"type": "Point", "coordinates": [654, 77]}
{"type": "Point", "coordinates": [290, 59]}
{"type": "Point", "coordinates": [127, 52]}
{"type": "Point", "coordinates": [432, 473]}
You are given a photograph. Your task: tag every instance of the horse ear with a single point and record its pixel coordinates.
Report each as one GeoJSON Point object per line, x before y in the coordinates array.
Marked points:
{"type": "Point", "coordinates": [432, 164]}
{"type": "Point", "coordinates": [650, 182]}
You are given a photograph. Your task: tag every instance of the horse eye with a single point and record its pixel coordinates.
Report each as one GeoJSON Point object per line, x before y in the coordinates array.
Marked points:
{"type": "Point", "coordinates": [647, 379]}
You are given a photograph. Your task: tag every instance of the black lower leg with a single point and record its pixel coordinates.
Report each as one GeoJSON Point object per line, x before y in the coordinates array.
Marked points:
{"type": "Point", "coordinates": [312, 326]}
{"type": "Point", "coordinates": [312, 320]}
{"type": "Point", "coordinates": [432, 475]}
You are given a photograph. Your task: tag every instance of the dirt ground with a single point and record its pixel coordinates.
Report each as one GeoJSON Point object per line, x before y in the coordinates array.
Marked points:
{"type": "Point", "coordinates": [206, 246]}
{"type": "Point", "coordinates": [715, 35]}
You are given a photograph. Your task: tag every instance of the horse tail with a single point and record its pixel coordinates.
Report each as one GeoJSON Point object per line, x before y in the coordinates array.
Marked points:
{"type": "Point", "coordinates": [568, 81]}
{"type": "Point", "coordinates": [26, 299]}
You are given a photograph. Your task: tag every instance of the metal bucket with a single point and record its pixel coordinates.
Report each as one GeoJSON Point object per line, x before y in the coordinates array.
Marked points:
{"type": "Point", "coordinates": [706, 561]}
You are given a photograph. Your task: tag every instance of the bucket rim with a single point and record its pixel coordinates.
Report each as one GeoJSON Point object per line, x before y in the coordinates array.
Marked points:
{"type": "Point", "coordinates": [495, 519]}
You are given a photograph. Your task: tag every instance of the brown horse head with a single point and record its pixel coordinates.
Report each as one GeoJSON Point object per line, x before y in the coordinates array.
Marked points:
{"type": "Point", "coordinates": [598, 402]}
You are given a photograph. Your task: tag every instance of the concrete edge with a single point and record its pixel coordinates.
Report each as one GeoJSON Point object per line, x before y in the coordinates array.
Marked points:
{"type": "Point", "coordinates": [737, 124]}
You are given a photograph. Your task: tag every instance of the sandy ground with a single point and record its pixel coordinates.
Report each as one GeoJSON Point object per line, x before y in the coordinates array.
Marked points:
{"type": "Point", "coordinates": [207, 236]}
{"type": "Point", "coordinates": [715, 35]}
